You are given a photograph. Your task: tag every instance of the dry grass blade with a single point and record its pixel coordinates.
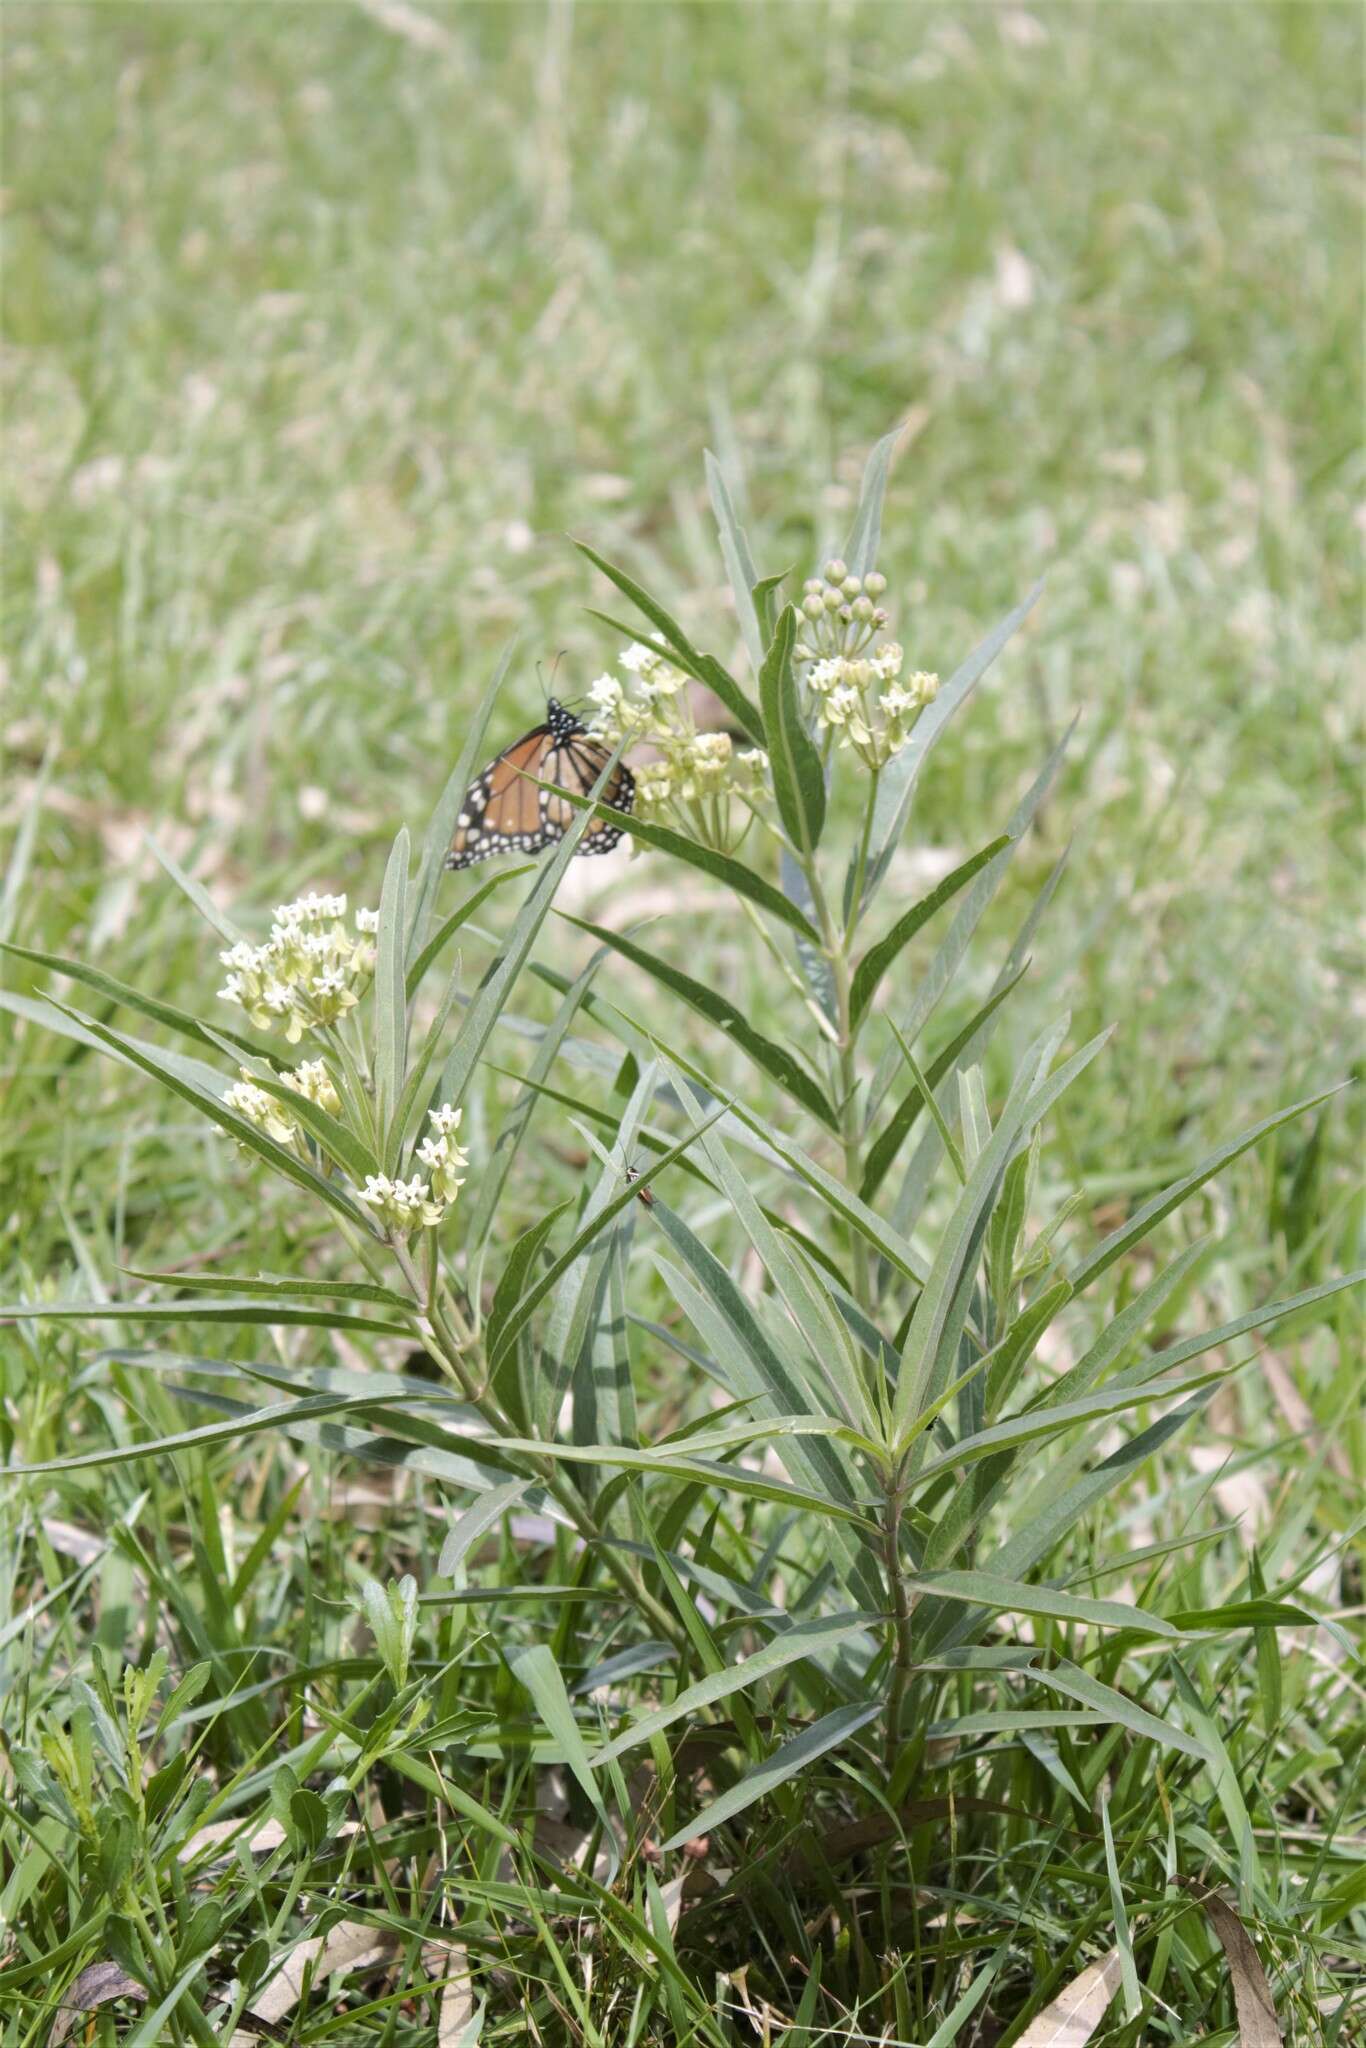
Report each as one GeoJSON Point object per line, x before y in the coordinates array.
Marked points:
{"type": "Point", "coordinates": [1258, 2026]}
{"type": "Point", "coordinates": [1075, 2013]}
{"type": "Point", "coordinates": [95, 1986]}
{"type": "Point", "coordinates": [351, 1945]}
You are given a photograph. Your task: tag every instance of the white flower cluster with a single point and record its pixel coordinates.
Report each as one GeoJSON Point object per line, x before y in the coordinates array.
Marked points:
{"type": "Point", "coordinates": [311, 1080]}
{"type": "Point", "coordinates": [692, 767]}
{"type": "Point", "coordinates": [860, 695]}
{"type": "Point", "coordinates": [310, 970]}
{"type": "Point", "coordinates": [407, 1205]}
{"type": "Point", "coordinates": [866, 703]}
{"type": "Point", "coordinates": [261, 1109]}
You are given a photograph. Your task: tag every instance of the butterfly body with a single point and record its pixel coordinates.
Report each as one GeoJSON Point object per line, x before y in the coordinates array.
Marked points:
{"type": "Point", "coordinates": [505, 809]}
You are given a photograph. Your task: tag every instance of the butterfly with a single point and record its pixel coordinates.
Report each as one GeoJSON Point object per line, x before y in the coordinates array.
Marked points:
{"type": "Point", "coordinates": [505, 812]}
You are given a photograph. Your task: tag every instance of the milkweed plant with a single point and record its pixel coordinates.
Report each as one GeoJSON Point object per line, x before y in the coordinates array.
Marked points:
{"type": "Point", "coordinates": [846, 1540]}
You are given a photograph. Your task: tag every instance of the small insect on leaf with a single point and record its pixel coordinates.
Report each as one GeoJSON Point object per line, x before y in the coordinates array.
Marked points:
{"type": "Point", "coordinates": [643, 1192]}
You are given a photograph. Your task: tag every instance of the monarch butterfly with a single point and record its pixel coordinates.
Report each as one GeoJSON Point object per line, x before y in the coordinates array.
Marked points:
{"type": "Point", "coordinates": [505, 812]}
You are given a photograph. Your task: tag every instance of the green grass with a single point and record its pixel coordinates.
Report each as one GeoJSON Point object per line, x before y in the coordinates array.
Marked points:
{"type": "Point", "coordinates": [324, 327]}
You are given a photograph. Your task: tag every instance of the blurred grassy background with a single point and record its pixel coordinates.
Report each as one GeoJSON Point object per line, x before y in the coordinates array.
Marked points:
{"type": "Point", "coordinates": [324, 323]}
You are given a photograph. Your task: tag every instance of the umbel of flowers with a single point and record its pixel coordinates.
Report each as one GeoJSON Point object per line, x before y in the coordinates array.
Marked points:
{"type": "Point", "coordinates": [696, 774]}
{"type": "Point", "coordinates": [309, 972]}
{"type": "Point", "coordinates": [860, 698]}
{"type": "Point", "coordinates": [403, 1206]}
{"type": "Point", "coordinates": [311, 1080]}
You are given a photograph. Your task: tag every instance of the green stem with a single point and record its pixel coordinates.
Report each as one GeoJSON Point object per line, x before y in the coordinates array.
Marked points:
{"type": "Point", "coordinates": [899, 1645]}
{"type": "Point", "coordinates": [835, 946]}
{"type": "Point", "coordinates": [455, 1348]}
{"type": "Point", "coordinates": [861, 863]}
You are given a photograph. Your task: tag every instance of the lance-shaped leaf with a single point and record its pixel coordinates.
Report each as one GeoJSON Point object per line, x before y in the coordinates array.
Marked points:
{"type": "Point", "coordinates": [879, 958]}
{"type": "Point", "coordinates": [788, 1761]}
{"type": "Point", "coordinates": [489, 998]}
{"type": "Point", "coordinates": [164, 1068]}
{"type": "Point", "coordinates": [441, 828]}
{"type": "Point", "coordinates": [774, 1060]}
{"type": "Point", "coordinates": [446, 931]}
{"type": "Point", "coordinates": [1013, 1596]}
{"type": "Point", "coordinates": [899, 776]}
{"type": "Point", "coordinates": [736, 875]}
{"type": "Point", "coordinates": [539, 1288]}
{"type": "Point", "coordinates": [804, 1639]}
{"type": "Point", "coordinates": [201, 899]}
{"type": "Point", "coordinates": [963, 1232]}
{"type": "Point", "coordinates": [738, 560]}
{"type": "Point", "coordinates": [860, 549]}
{"type": "Point", "coordinates": [798, 778]}
{"type": "Point", "coordinates": [904, 1117]}
{"type": "Point", "coordinates": [133, 999]}
{"type": "Point", "coordinates": [391, 1011]}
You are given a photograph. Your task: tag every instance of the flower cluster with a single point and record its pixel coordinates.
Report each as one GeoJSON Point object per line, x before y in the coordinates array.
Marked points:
{"type": "Point", "coordinates": [261, 1109]}
{"type": "Point", "coordinates": [310, 970]}
{"type": "Point", "coordinates": [407, 1205]}
{"type": "Point", "coordinates": [694, 770]}
{"type": "Point", "coordinates": [860, 695]}
{"type": "Point", "coordinates": [311, 1080]}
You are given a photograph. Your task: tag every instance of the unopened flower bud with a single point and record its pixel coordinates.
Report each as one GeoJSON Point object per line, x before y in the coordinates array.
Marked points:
{"type": "Point", "coordinates": [836, 570]}
{"type": "Point", "coordinates": [833, 597]}
{"type": "Point", "coordinates": [882, 617]}
{"type": "Point", "coordinates": [850, 585]}
{"type": "Point", "coordinates": [846, 613]}
{"type": "Point", "coordinates": [812, 583]}
{"type": "Point", "coordinates": [814, 606]}
{"type": "Point", "coordinates": [875, 584]}
{"type": "Point", "coordinates": [801, 652]}
{"type": "Point", "coordinates": [863, 607]}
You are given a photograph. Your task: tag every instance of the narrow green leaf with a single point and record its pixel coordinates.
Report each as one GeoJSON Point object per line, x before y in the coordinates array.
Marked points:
{"type": "Point", "coordinates": [248, 1310]}
{"type": "Point", "coordinates": [804, 1639]}
{"type": "Point", "coordinates": [738, 560]}
{"type": "Point", "coordinates": [200, 898]}
{"type": "Point", "coordinates": [798, 778]}
{"type": "Point", "coordinates": [133, 999]}
{"type": "Point", "coordinates": [476, 1521]}
{"type": "Point", "coordinates": [512, 1281]}
{"type": "Point", "coordinates": [795, 1755]}
{"type": "Point", "coordinates": [285, 1162]}
{"type": "Point", "coordinates": [899, 776]}
{"type": "Point", "coordinates": [704, 666]}
{"type": "Point", "coordinates": [535, 1668]}
{"type": "Point", "coordinates": [441, 829]}
{"type": "Point", "coordinates": [736, 875]}
{"type": "Point", "coordinates": [1011, 1596]}
{"type": "Point", "coordinates": [899, 1125]}
{"type": "Point", "coordinates": [860, 549]}
{"type": "Point", "coordinates": [879, 958]}
{"type": "Point", "coordinates": [774, 1060]}
{"type": "Point", "coordinates": [930, 1320]}
{"type": "Point", "coordinates": [272, 1287]}
{"type": "Point", "coordinates": [1116, 1706]}
{"type": "Point", "coordinates": [391, 1016]}
{"type": "Point", "coordinates": [437, 944]}
{"type": "Point", "coordinates": [487, 1003]}
{"type": "Point", "coordinates": [518, 1317]}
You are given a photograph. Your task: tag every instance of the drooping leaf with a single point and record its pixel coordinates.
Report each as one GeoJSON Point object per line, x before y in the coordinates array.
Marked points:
{"type": "Point", "coordinates": [787, 1761]}
{"type": "Point", "coordinates": [879, 958]}
{"type": "Point", "coordinates": [773, 1059]}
